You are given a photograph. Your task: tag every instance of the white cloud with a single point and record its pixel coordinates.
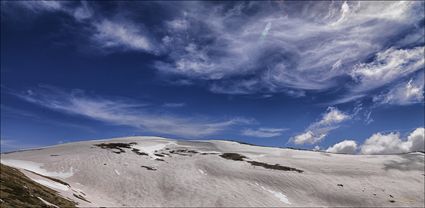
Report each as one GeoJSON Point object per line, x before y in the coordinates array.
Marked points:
{"type": "Point", "coordinates": [388, 66]}
{"type": "Point", "coordinates": [405, 93]}
{"type": "Point", "coordinates": [279, 48]}
{"type": "Point", "coordinates": [344, 147]}
{"type": "Point", "coordinates": [122, 34]}
{"type": "Point", "coordinates": [320, 129]}
{"type": "Point", "coordinates": [392, 143]}
{"type": "Point", "coordinates": [82, 12]}
{"type": "Point", "coordinates": [297, 53]}
{"type": "Point", "coordinates": [308, 137]}
{"type": "Point", "coordinates": [316, 148]}
{"type": "Point", "coordinates": [333, 116]}
{"type": "Point", "coordinates": [416, 139]}
{"type": "Point", "coordinates": [41, 5]}
{"type": "Point", "coordinates": [263, 132]}
{"type": "Point", "coordinates": [126, 113]}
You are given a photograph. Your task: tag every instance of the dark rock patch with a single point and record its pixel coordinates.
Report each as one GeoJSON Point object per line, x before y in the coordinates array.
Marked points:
{"type": "Point", "coordinates": [137, 151]}
{"type": "Point", "coordinates": [50, 178]}
{"type": "Point", "coordinates": [274, 167]}
{"type": "Point", "coordinates": [209, 153]}
{"type": "Point", "coordinates": [148, 167]}
{"type": "Point", "coordinates": [233, 156]}
{"type": "Point", "coordinates": [116, 147]}
{"type": "Point", "coordinates": [81, 197]}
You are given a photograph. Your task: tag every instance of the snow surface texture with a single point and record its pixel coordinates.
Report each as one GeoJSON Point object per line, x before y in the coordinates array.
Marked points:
{"type": "Point", "coordinates": [191, 173]}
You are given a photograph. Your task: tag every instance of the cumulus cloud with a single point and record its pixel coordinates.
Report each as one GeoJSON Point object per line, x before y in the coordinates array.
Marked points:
{"type": "Point", "coordinates": [125, 113]}
{"type": "Point", "coordinates": [320, 129]}
{"type": "Point", "coordinates": [392, 143]}
{"type": "Point", "coordinates": [344, 147]}
{"type": "Point", "coordinates": [263, 132]}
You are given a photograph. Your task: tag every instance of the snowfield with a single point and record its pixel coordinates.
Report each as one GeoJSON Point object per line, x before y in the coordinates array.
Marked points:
{"type": "Point", "coordinates": [153, 171]}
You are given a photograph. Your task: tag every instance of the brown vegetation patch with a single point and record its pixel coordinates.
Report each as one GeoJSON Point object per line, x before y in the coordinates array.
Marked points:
{"type": "Point", "coordinates": [17, 190]}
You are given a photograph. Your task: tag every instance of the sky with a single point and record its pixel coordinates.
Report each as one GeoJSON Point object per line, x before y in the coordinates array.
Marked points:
{"type": "Point", "coordinates": [335, 76]}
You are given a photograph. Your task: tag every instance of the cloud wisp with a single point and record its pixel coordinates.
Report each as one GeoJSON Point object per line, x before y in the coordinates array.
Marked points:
{"type": "Point", "coordinates": [126, 113]}
{"type": "Point", "coordinates": [274, 47]}
{"type": "Point", "coordinates": [404, 93]}
{"type": "Point", "coordinates": [263, 132]}
{"type": "Point", "coordinates": [320, 129]}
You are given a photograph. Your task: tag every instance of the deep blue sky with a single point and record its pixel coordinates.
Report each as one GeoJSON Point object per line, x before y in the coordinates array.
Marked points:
{"type": "Point", "coordinates": [271, 73]}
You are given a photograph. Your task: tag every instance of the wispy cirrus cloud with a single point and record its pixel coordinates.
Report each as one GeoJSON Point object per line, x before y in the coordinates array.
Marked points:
{"type": "Point", "coordinates": [274, 47]}
{"type": "Point", "coordinates": [320, 129]}
{"type": "Point", "coordinates": [123, 35]}
{"type": "Point", "coordinates": [404, 93]}
{"type": "Point", "coordinates": [125, 113]}
{"type": "Point", "coordinates": [238, 64]}
{"type": "Point", "coordinates": [388, 66]}
{"type": "Point", "coordinates": [263, 132]}
{"type": "Point", "coordinates": [108, 33]}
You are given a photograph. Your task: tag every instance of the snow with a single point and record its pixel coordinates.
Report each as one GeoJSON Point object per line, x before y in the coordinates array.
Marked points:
{"type": "Point", "coordinates": [116, 171]}
{"type": "Point", "coordinates": [52, 184]}
{"type": "Point", "coordinates": [150, 150]}
{"type": "Point", "coordinates": [47, 203]}
{"type": "Point", "coordinates": [182, 181]}
{"type": "Point", "coordinates": [35, 167]}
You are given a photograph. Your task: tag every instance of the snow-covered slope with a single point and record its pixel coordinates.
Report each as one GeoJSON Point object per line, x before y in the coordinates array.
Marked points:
{"type": "Point", "coordinates": [152, 171]}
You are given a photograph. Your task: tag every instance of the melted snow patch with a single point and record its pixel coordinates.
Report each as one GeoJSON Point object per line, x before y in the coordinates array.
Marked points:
{"type": "Point", "coordinates": [47, 203]}
{"type": "Point", "coordinates": [277, 194]}
{"type": "Point", "coordinates": [116, 171]}
{"type": "Point", "coordinates": [52, 184]}
{"type": "Point", "coordinates": [36, 167]}
{"type": "Point", "coordinates": [202, 172]}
